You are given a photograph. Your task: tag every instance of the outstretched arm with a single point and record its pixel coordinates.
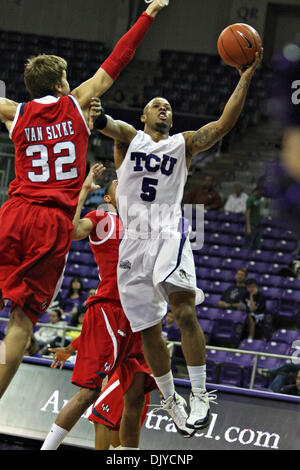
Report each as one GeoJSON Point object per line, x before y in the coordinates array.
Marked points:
{"type": "Point", "coordinates": [210, 134]}
{"type": "Point", "coordinates": [118, 59]}
{"type": "Point", "coordinates": [83, 227]}
{"type": "Point", "coordinates": [7, 111]}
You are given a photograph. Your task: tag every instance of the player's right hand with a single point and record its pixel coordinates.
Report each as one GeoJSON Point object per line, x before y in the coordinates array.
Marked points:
{"type": "Point", "coordinates": [95, 172]}
{"type": "Point", "coordinates": [156, 5]}
{"type": "Point", "coordinates": [60, 356]}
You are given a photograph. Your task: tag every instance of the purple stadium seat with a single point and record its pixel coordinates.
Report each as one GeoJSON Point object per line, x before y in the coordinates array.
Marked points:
{"type": "Point", "coordinates": [213, 360]}
{"type": "Point", "coordinates": [271, 232]}
{"type": "Point", "coordinates": [268, 244]}
{"type": "Point", "coordinates": [203, 273]}
{"type": "Point", "coordinates": [94, 273]}
{"type": "Point", "coordinates": [211, 300]}
{"type": "Point", "coordinates": [285, 336]}
{"type": "Point", "coordinates": [211, 226]}
{"type": "Point", "coordinates": [66, 281]}
{"type": "Point", "coordinates": [289, 306]}
{"type": "Point", "coordinates": [272, 347]}
{"type": "Point", "coordinates": [207, 327]}
{"type": "Point", "coordinates": [89, 284]}
{"type": "Point", "coordinates": [274, 268]}
{"type": "Point", "coordinates": [240, 253]}
{"type": "Point", "coordinates": [283, 258]}
{"type": "Point", "coordinates": [220, 239]}
{"type": "Point", "coordinates": [262, 256]}
{"type": "Point", "coordinates": [291, 283]}
{"type": "Point", "coordinates": [232, 229]}
{"type": "Point", "coordinates": [210, 262]}
{"type": "Point", "coordinates": [273, 293]}
{"type": "Point", "coordinates": [228, 327]}
{"type": "Point", "coordinates": [205, 285]}
{"type": "Point", "coordinates": [228, 217]}
{"type": "Point", "coordinates": [269, 280]}
{"type": "Point", "coordinates": [286, 245]}
{"type": "Point", "coordinates": [230, 263]}
{"type": "Point", "coordinates": [237, 240]}
{"type": "Point", "coordinates": [218, 287]}
{"type": "Point", "coordinates": [205, 249]}
{"type": "Point", "coordinates": [253, 345]}
{"type": "Point", "coordinates": [77, 245]}
{"type": "Point", "coordinates": [264, 362]}
{"type": "Point", "coordinates": [272, 306]}
{"type": "Point", "coordinates": [236, 369]}
{"type": "Point", "coordinates": [211, 215]}
{"type": "Point", "coordinates": [257, 267]}
{"type": "Point", "coordinates": [78, 270]}
{"type": "Point", "coordinates": [221, 275]}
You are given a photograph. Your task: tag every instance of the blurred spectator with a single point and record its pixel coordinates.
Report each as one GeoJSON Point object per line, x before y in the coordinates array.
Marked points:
{"type": "Point", "coordinates": [118, 100]}
{"type": "Point", "coordinates": [285, 379]}
{"type": "Point", "coordinates": [74, 298]}
{"type": "Point", "coordinates": [71, 334]}
{"type": "Point", "coordinates": [206, 195]}
{"type": "Point", "coordinates": [45, 335]}
{"type": "Point", "coordinates": [234, 295]}
{"type": "Point", "coordinates": [253, 230]}
{"type": "Point", "coordinates": [82, 308]}
{"type": "Point", "coordinates": [236, 201]}
{"type": "Point", "coordinates": [255, 307]}
{"type": "Point", "coordinates": [138, 101]}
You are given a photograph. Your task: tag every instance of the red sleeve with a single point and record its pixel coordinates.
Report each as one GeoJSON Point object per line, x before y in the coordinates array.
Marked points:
{"type": "Point", "coordinates": [100, 220]}
{"type": "Point", "coordinates": [126, 47]}
{"type": "Point", "coordinates": [75, 343]}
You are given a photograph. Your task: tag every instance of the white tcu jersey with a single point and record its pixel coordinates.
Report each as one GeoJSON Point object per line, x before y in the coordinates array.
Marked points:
{"type": "Point", "coordinates": [151, 183]}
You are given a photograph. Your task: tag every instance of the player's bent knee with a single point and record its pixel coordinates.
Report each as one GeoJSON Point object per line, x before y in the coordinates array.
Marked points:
{"type": "Point", "coordinates": [87, 396]}
{"type": "Point", "coordinates": [185, 316]}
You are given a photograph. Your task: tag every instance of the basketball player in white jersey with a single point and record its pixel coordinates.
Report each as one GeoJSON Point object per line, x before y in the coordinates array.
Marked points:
{"type": "Point", "coordinates": [156, 263]}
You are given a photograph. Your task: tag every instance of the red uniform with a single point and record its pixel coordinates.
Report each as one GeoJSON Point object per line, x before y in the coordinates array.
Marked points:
{"type": "Point", "coordinates": [51, 138]}
{"type": "Point", "coordinates": [106, 339]}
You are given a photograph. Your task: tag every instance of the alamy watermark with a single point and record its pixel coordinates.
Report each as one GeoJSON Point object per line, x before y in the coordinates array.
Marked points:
{"type": "Point", "coordinates": [296, 94]}
{"type": "Point", "coordinates": [153, 221]}
{"type": "Point", "coordinates": [2, 89]}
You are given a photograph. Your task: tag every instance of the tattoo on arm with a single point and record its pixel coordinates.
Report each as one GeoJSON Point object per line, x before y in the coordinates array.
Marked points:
{"type": "Point", "coordinates": [205, 138]}
{"type": "Point", "coordinates": [242, 88]}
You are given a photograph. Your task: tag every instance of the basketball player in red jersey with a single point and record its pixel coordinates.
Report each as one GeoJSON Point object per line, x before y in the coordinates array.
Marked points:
{"type": "Point", "coordinates": [106, 339]}
{"type": "Point", "coordinates": [50, 134]}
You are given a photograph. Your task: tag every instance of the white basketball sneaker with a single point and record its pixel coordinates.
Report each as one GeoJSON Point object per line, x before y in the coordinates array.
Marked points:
{"type": "Point", "coordinates": [199, 416]}
{"type": "Point", "coordinates": [175, 405]}
{"type": "Point", "coordinates": [162, 3]}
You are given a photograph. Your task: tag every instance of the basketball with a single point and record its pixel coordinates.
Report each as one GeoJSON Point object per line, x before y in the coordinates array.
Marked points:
{"type": "Point", "coordinates": [238, 43]}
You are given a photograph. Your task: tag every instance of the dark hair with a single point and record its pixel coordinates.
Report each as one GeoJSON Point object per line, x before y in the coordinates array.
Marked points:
{"type": "Point", "coordinates": [107, 187]}
{"type": "Point", "coordinates": [251, 282]}
{"type": "Point", "coordinates": [71, 290]}
{"type": "Point", "coordinates": [57, 311]}
{"type": "Point", "coordinates": [42, 73]}
{"type": "Point", "coordinates": [244, 270]}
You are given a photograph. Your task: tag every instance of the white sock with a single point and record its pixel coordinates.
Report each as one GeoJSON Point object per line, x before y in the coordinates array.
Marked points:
{"type": "Point", "coordinates": [127, 448]}
{"type": "Point", "coordinates": [165, 384]}
{"type": "Point", "coordinates": [55, 437]}
{"type": "Point", "coordinates": [197, 376]}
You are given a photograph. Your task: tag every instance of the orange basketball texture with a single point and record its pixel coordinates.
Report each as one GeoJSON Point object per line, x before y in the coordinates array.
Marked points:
{"type": "Point", "coordinates": [238, 43]}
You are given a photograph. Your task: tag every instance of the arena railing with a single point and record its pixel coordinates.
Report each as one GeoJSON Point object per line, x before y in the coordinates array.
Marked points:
{"type": "Point", "coordinates": [171, 344]}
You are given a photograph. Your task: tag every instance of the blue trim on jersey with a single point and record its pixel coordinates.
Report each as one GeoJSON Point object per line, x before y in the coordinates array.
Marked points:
{"type": "Point", "coordinates": [182, 242]}
{"type": "Point", "coordinates": [73, 102]}
{"type": "Point", "coordinates": [96, 413]}
{"type": "Point", "coordinates": [22, 109]}
{"type": "Point", "coordinates": [101, 374]}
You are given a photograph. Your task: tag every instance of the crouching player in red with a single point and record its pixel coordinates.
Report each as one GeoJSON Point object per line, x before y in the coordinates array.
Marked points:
{"type": "Point", "coordinates": [50, 134]}
{"type": "Point", "coordinates": [106, 339]}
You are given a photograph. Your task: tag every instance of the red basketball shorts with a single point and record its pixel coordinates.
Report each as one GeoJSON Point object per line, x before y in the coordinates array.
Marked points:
{"type": "Point", "coordinates": [34, 242]}
{"type": "Point", "coordinates": [105, 339]}
{"type": "Point", "coordinates": [108, 408]}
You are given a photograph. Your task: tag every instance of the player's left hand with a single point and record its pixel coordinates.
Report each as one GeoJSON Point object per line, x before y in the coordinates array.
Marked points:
{"type": "Point", "coordinates": [249, 71]}
{"type": "Point", "coordinates": [94, 111]}
{"type": "Point", "coordinates": [95, 172]}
